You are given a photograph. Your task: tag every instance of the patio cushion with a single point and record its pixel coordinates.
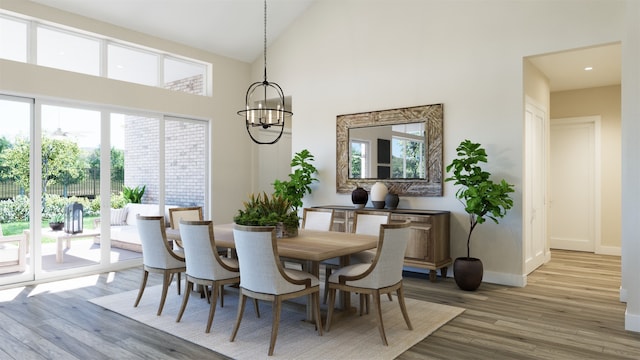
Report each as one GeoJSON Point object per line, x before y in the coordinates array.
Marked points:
{"type": "Point", "coordinates": [119, 216]}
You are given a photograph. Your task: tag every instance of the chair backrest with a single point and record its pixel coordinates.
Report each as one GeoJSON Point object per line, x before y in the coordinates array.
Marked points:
{"type": "Point", "coordinates": [368, 222]}
{"type": "Point", "coordinates": [386, 268]}
{"type": "Point", "coordinates": [184, 213]}
{"type": "Point", "coordinates": [200, 252]}
{"type": "Point", "coordinates": [317, 219]}
{"type": "Point", "coordinates": [260, 267]}
{"type": "Point", "coordinates": [156, 251]}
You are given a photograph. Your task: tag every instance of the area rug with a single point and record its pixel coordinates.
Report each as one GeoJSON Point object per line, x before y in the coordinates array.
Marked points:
{"type": "Point", "coordinates": [351, 336]}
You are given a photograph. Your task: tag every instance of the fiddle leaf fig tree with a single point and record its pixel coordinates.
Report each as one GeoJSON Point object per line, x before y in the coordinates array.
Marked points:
{"type": "Point", "coordinates": [482, 198]}
{"type": "Point", "coordinates": [298, 184]}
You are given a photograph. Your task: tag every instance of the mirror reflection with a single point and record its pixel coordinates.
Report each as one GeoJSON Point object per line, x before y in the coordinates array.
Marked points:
{"type": "Point", "coordinates": [388, 152]}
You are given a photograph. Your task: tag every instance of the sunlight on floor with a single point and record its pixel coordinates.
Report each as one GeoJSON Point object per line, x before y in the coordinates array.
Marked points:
{"type": "Point", "coordinates": [64, 285]}
{"type": "Point", "coordinates": [10, 294]}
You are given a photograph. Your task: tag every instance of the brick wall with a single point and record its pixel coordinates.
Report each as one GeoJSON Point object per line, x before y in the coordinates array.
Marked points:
{"type": "Point", "coordinates": [185, 156]}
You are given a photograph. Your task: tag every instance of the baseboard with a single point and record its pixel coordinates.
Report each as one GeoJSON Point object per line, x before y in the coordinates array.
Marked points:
{"type": "Point", "coordinates": [504, 279]}
{"type": "Point", "coordinates": [631, 321]}
{"type": "Point", "coordinates": [609, 250]}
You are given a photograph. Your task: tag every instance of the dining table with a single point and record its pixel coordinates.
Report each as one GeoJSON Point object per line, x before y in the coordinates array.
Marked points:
{"type": "Point", "coordinates": [310, 246]}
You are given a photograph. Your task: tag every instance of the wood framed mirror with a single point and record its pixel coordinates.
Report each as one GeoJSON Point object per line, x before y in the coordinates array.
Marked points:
{"type": "Point", "coordinates": [400, 147]}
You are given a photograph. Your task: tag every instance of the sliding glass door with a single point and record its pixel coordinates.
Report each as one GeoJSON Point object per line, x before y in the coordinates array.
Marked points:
{"type": "Point", "coordinates": [16, 260]}
{"type": "Point", "coordinates": [52, 161]}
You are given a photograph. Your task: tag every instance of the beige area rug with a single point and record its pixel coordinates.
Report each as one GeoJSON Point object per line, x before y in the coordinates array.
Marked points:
{"type": "Point", "coordinates": [351, 336]}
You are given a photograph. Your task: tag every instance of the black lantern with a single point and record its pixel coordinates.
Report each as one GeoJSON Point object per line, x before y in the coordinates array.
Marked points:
{"type": "Point", "coordinates": [73, 218]}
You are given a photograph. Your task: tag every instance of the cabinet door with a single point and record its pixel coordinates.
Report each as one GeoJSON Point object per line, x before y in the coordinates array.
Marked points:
{"type": "Point", "coordinates": [420, 243]}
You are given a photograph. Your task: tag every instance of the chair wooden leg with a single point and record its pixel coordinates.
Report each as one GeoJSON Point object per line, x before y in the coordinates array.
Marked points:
{"type": "Point", "coordinates": [277, 305]}
{"type": "Point", "coordinates": [241, 302]}
{"type": "Point", "coordinates": [316, 305]}
{"type": "Point", "coordinates": [378, 310]}
{"type": "Point", "coordinates": [255, 304]}
{"type": "Point", "coordinates": [212, 307]}
{"type": "Point", "coordinates": [403, 307]}
{"type": "Point", "coordinates": [221, 296]}
{"type": "Point", "coordinates": [332, 301]}
{"type": "Point", "coordinates": [327, 273]}
{"type": "Point", "coordinates": [179, 275]}
{"type": "Point", "coordinates": [389, 296]}
{"type": "Point", "coordinates": [185, 299]}
{"type": "Point", "coordinates": [166, 280]}
{"type": "Point", "coordinates": [143, 284]}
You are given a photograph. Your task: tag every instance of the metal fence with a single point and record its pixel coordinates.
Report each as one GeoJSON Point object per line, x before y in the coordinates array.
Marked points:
{"type": "Point", "coordinates": [89, 188]}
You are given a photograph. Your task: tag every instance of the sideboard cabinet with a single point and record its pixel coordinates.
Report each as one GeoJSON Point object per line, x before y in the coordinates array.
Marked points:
{"type": "Point", "coordinates": [428, 247]}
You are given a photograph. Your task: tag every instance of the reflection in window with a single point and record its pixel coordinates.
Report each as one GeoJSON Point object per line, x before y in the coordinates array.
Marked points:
{"type": "Point", "coordinates": [359, 168]}
{"type": "Point", "coordinates": [184, 76]}
{"type": "Point", "coordinates": [408, 160]}
{"type": "Point", "coordinates": [132, 65]}
{"type": "Point", "coordinates": [13, 40]}
{"type": "Point", "coordinates": [66, 51]}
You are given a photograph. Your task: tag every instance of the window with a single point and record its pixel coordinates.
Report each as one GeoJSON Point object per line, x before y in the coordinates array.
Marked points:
{"type": "Point", "coordinates": [66, 51]}
{"type": "Point", "coordinates": [13, 39]}
{"type": "Point", "coordinates": [79, 52]}
{"type": "Point", "coordinates": [408, 151]}
{"type": "Point", "coordinates": [132, 65]}
{"type": "Point", "coordinates": [184, 76]}
{"type": "Point", "coordinates": [359, 168]}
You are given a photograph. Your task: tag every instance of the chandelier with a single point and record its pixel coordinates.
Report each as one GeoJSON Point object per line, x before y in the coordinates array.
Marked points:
{"type": "Point", "coordinates": [265, 105]}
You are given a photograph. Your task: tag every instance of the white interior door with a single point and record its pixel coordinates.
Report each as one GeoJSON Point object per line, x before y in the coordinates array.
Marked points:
{"type": "Point", "coordinates": [574, 184]}
{"type": "Point", "coordinates": [536, 248]}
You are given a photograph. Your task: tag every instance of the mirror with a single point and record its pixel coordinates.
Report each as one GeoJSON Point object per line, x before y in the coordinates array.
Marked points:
{"type": "Point", "coordinates": [402, 147]}
{"type": "Point", "coordinates": [387, 152]}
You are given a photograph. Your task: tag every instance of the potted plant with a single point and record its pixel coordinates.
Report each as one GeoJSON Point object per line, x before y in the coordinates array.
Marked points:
{"type": "Point", "coordinates": [56, 222]}
{"type": "Point", "coordinates": [298, 184]}
{"type": "Point", "coordinates": [269, 210]}
{"type": "Point", "coordinates": [482, 198]}
{"type": "Point", "coordinates": [133, 195]}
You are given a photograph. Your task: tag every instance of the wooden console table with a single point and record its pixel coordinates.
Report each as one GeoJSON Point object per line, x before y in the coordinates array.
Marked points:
{"type": "Point", "coordinates": [428, 247]}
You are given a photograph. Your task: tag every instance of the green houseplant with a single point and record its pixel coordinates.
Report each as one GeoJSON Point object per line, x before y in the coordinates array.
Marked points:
{"type": "Point", "coordinates": [297, 186]}
{"type": "Point", "coordinates": [482, 199]}
{"type": "Point", "coordinates": [269, 210]}
{"type": "Point", "coordinates": [133, 195]}
{"type": "Point", "coordinates": [56, 222]}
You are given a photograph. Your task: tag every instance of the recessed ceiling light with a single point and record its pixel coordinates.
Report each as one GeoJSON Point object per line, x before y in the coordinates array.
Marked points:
{"type": "Point", "coordinates": [588, 68]}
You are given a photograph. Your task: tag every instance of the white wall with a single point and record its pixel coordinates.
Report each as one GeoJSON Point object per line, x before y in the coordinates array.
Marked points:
{"type": "Point", "coordinates": [231, 171]}
{"type": "Point", "coordinates": [352, 56]}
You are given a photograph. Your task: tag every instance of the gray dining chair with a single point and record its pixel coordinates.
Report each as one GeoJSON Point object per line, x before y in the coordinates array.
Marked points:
{"type": "Point", "coordinates": [383, 275]}
{"type": "Point", "coordinates": [263, 277]}
{"type": "Point", "coordinates": [157, 255]}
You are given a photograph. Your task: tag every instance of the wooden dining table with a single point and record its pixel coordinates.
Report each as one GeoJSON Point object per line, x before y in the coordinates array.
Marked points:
{"type": "Point", "coordinates": [310, 246]}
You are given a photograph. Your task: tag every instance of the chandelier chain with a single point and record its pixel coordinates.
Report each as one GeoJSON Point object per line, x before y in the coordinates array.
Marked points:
{"type": "Point", "coordinates": [265, 40]}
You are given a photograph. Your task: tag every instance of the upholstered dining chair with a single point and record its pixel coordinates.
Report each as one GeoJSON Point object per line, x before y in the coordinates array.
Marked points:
{"type": "Point", "coordinates": [193, 213]}
{"type": "Point", "coordinates": [263, 277]}
{"type": "Point", "coordinates": [204, 266]}
{"type": "Point", "coordinates": [383, 275]}
{"type": "Point", "coordinates": [364, 222]}
{"type": "Point", "coordinates": [157, 255]}
{"type": "Point", "coordinates": [317, 219]}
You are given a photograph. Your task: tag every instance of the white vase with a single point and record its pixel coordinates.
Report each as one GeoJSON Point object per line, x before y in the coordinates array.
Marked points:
{"type": "Point", "coordinates": [378, 192]}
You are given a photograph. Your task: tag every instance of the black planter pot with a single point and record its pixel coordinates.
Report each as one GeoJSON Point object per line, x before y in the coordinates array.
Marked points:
{"type": "Point", "coordinates": [56, 226]}
{"type": "Point", "coordinates": [468, 273]}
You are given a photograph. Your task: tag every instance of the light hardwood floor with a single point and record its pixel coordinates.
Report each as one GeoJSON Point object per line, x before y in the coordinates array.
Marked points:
{"type": "Point", "coordinates": [568, 310]}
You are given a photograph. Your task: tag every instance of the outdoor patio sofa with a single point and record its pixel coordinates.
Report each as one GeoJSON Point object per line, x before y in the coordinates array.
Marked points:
{"type": "Point", "coordinates": [124, 233]}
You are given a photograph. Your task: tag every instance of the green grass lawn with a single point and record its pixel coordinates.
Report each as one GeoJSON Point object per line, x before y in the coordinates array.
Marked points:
{"type": "Point", "coordinates": [17, 227]}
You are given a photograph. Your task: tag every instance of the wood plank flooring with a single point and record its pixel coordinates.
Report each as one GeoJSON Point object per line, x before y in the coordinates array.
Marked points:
{"type": "Point", "coordinates": [570, 309]}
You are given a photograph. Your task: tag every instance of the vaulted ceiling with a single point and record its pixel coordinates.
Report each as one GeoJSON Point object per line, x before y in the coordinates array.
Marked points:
{"type": "Point", "coordinates": [234, 28]}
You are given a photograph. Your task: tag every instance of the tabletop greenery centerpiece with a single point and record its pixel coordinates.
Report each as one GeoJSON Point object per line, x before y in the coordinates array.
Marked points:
{"type": "Point", "coordinates": [269, 210]}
